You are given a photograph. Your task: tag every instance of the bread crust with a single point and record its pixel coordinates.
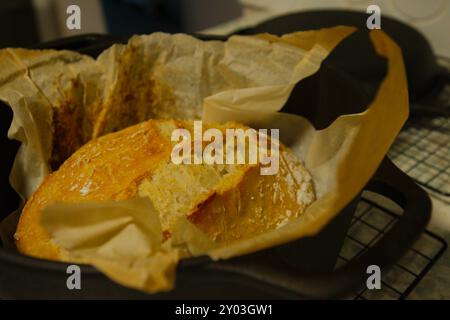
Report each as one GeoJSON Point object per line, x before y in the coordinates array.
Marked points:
{"type": "Point", "coordinates": [136, 161]}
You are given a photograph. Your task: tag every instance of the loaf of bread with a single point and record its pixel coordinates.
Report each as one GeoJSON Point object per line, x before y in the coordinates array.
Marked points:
{"type": "Point", "coordinates": [228, 202]}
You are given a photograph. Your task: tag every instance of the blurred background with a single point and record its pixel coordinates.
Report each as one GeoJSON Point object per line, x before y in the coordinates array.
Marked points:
{"type": "Point", "coordinates": [24, 22]}
{"type": "Point", "coordinates": [28, 21]}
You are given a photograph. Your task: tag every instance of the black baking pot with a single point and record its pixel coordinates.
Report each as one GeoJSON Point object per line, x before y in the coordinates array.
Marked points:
{"type": "Point", "coordinates": [304, 268]}
{"type": "Point", "coordinates": [425, 79]}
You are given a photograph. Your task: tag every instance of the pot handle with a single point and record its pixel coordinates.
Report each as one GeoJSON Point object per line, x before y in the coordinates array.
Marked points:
{"type": "Point", "coordinates": [388, 181]}
{"type": "Point", "coordinates": [91, 43]}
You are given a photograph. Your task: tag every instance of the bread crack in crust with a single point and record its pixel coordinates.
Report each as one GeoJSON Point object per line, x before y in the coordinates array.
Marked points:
{"type": "Point", "coordinates": [228, 202]}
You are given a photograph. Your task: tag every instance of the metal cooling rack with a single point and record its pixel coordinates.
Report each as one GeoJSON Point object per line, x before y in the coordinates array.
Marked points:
{"type": "Point", "coordinates": [369, 224]}
{"type": "Point", "coordinates": [422, 150]}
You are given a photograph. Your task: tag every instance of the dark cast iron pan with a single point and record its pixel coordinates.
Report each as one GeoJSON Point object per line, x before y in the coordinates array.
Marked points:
{"type": "Point", "coordinates": [425, 77]}
{"type": "Point", "coordinates": [300, 269]}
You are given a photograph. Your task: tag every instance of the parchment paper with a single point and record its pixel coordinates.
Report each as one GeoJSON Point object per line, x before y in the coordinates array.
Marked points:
{"type": "Point", "coordinates": [246, 79]}
{"type": "Point", "coordinates": [51, 94]}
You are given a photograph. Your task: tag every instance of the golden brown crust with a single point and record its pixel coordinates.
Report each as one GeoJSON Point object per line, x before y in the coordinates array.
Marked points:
{"type": "Point", "coordinates": [256, 204]}
{"type": "Point", "coordinates": [228, 202]}
{"type": "Point", "coordinates": [105, 168]}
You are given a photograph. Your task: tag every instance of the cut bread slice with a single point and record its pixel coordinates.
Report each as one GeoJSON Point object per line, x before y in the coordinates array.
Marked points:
{"type": "Point", "coordinates": [228, 202]}
{"type": "Point", "coordinates": [70, 84]}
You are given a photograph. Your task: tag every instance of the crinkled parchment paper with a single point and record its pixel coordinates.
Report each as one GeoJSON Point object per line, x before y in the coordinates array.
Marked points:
{"type": "Point", "coordinates": [246, 79]}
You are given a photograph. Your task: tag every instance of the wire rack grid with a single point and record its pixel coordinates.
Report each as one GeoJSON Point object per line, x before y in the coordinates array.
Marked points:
{"type": "Point", "coordinates": [369, 224]}
{"type": "Point", "coordinates": [422, 150]}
